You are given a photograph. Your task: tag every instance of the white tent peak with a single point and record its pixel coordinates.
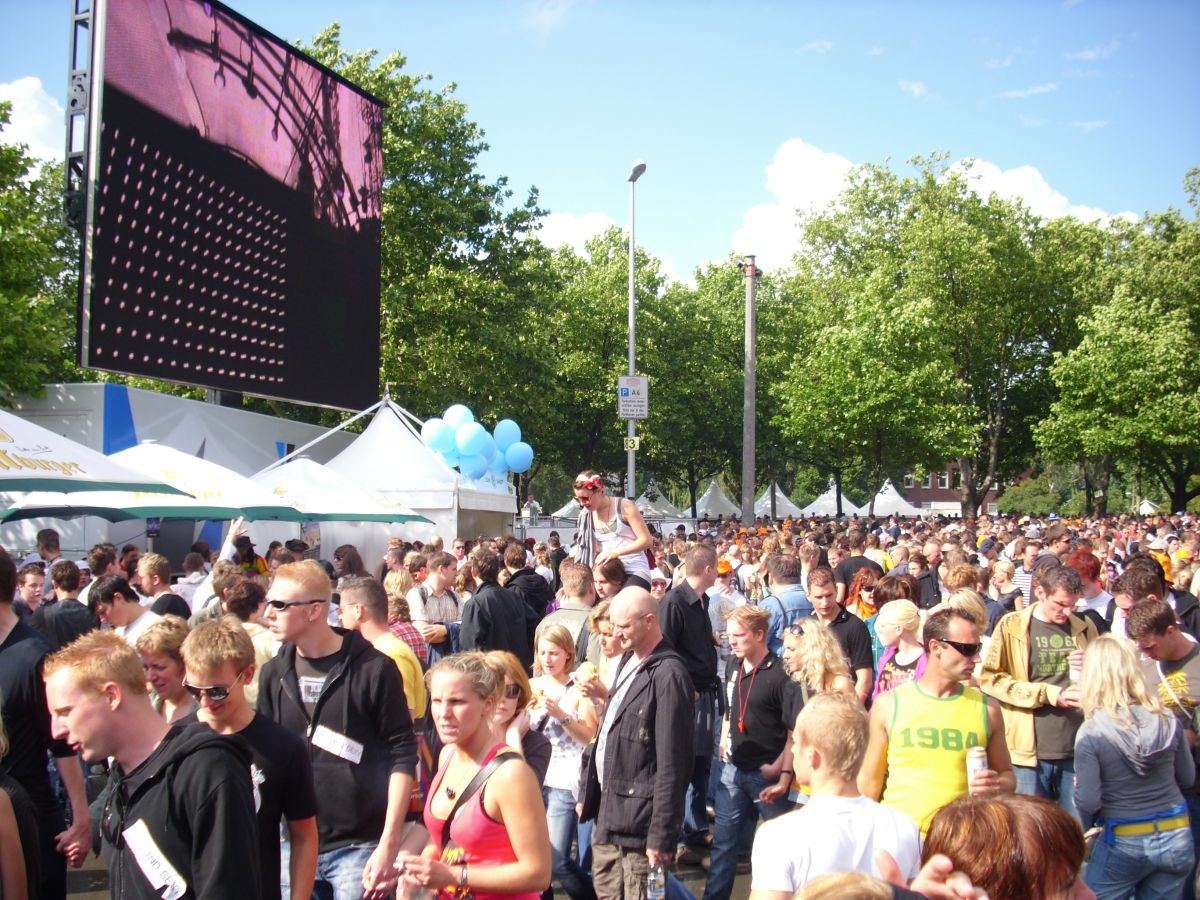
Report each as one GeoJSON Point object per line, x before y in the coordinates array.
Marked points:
{"type": "Point", "coordinates": [890, 502]}
{"type": "Point", "coordinates": [826, 504]}
{"type": "Point", "coordinates": [712, 503]}
{"type": "Point", "coordinates": [784, 507]}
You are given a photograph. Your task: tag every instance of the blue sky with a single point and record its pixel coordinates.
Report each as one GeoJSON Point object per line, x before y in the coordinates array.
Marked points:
{"type": "Point", "coordinates": [745, 111]}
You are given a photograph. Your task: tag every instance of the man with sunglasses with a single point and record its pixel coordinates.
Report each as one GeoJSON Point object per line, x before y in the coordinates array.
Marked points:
{"type": "Point", "coordinates": [218, 658]}
{"type": "Point", "coordinates": [347, 700]}
{"type": "Point", "coordinates": [922, 731]}
{"type": "Point", "coordinates": [178, 820]}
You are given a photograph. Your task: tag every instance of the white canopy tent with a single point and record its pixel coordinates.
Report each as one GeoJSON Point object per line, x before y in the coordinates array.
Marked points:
{"type": "Point", "coordinates": [712, 503]}
{"type": "Point", "coordinates": [1147, 508]}
{"type": "Point", "coordinates": [570, 511]}
{"type": "Point", "coordinates": [322, 495]}
{"type": "Point", "coordinates": [654, 505]}
{"type": "Point", "coordinates": [392, 464]}
{"type": "Point", "coordinates": [784, 507]}
{"type": "Point", "coordinates": [826, 505]}
{"type": "Point", "coordinates": [889, 502]}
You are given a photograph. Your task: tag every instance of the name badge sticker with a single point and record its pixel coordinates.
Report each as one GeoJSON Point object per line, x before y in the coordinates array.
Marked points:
{"type": "Point", "coordinates": [153, 862]}
{"type": "Point", "coordinates": [338, 744]}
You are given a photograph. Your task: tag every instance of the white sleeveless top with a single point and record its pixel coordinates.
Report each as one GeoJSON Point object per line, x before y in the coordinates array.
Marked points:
{"type": "Point", "coordinates": [614, 535]}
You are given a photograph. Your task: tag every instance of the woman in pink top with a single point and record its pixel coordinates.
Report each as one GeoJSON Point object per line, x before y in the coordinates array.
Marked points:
{"type": "Point", "coordinates": [499, 845]}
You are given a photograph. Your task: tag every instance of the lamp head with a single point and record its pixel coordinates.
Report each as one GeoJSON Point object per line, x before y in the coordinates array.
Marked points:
{"type": "Point", "coordinates": [636, 172]}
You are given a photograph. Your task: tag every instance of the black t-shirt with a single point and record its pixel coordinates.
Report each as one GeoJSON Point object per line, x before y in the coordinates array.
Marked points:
{"type": "Point", "coordinates": [686, 626]}
{"type": "Point", "coordinates": [311, 675]}
{"type": "Point", "coordinates": [169, 604]}
{"type": "Point", "coordinates": [63, 622]}
{"type": "Point", "coordinates": [849, 567]}
{"type": "Point", "coordinates": [26, 716]}
{"type": "Point", "coordinates": [852, 634]}
{"type": "Point", "coordinates": [759, 700]}
{"type": "Point", "coordinates": [281, 774]}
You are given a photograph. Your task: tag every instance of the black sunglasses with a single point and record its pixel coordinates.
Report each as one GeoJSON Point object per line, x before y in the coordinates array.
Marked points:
{"type": "Point", "coordinates": [113, 816]}
{"type": "Point", "coordinates": [281, 605]}
{"type": "Point", "coordinates": [796, 628]}
{"type": "Point", "coordinates": [967, 650]}
{"type": "Point", "coordinates": [217, 693]}
{"type": "Point", "coordinates": [512, 691]}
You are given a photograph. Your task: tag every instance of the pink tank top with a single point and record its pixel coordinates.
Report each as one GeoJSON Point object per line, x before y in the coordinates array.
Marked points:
{"type": "Point", "coordinates": [484, 842]}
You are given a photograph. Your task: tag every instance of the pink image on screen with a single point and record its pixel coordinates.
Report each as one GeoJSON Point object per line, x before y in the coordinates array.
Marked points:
{"type": "Point", "coordinates": [240, 89]}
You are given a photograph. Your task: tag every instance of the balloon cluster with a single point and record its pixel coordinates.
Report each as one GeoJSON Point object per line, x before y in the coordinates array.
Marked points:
{"type": "Point", "coordinates": [460, 441]}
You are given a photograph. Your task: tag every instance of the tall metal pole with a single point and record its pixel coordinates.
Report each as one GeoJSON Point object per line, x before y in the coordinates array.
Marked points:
{"type": "Point", "coordinates": [631, 430]}
{"type": "Point", "coordinates": [748, 393]}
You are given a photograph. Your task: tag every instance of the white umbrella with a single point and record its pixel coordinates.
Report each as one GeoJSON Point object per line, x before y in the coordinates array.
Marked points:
{"type": "Point", "coordinates": [115, 506]}
{"type": "Point", "coordinates": [209, 483]}
{"type": "Point", "coordinates": [33, 458]}
{"type": "Point", "coordinates": [323, 495]}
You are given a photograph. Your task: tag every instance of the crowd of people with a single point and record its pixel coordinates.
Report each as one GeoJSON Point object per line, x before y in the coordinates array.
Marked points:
{"type": "Point", "coordinates": [834, 707]}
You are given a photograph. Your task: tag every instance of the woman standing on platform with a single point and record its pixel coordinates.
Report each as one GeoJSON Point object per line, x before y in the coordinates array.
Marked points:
{"type": "Point", "coordinates": [611, 527]}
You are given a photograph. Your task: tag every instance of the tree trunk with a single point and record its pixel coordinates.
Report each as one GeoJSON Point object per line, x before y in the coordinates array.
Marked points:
{"type": "Point", "coordinates": [1175, 472]}
{"type": "Point", "coordinates": [691, 477]}
{"type": "Point", "coordinates": [1103, 479]}
{"type": "Point", "coordinates": [968, 491]}
{"type": "Point", "coordinates": [837, 491]}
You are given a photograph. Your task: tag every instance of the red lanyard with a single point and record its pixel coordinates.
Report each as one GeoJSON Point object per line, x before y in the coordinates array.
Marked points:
{"type": "Point", "coordinates": [742, 704]}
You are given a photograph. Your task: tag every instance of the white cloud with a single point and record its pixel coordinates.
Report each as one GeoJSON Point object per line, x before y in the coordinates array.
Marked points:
{"type": "Point", "coordinates": [806, 178]}
{"type": "Point", "coordinates": [544, 17]}
{"type": "Point", "coordinates": [1003, 62]}
{"type": "Point", "coordinates": [1022, 93]}
{"type": "Point", "coordinates": [1090, 125]}
{"type": "Point", "coordinates": [1099, 51]}
{"type": "Point", "coordinates": [37, 118]}
{"type": "Point", "coordinates": [1029, 185]}
{"type": "Point", "coordinates": [800, 177]}
{"type": "Point", "coordinates": [875, 51]}
{"type": "Point", "coordinates": [916, 88]}
{"type": "Point", "coordinates": [817, 47]}
{"type": "Point", "coordinates": [573, 229]}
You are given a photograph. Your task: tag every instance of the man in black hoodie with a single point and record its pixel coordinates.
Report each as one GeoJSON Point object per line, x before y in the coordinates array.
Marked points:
{"type": "Point", "coordinates": [526, 583]}
{"type": "Point", "coordinates": [496, 619]}
{"type": "Point", "coordinates": [347, 700]}
{"type": "Point", "coordinates": [179, 818]}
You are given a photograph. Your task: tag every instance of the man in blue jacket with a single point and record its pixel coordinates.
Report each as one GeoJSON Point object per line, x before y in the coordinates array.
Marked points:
{"type": "Point", "coordinates": [347, 700]}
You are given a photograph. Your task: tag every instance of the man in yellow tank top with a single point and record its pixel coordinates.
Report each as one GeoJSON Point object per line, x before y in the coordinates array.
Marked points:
{"type": "Point", "coordinates": [922, 731]}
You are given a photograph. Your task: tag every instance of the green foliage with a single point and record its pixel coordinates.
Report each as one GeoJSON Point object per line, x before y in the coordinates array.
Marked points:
{"type": "Point", "coordinates": [1031, 497]}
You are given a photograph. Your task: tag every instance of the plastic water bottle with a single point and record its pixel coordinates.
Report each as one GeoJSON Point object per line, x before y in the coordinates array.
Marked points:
{"type": "Point", "coordinates": [656, 883]}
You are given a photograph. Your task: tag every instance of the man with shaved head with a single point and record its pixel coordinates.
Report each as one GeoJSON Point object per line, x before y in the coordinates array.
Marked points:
{"type": "Point", "coordinates": [643, 753]}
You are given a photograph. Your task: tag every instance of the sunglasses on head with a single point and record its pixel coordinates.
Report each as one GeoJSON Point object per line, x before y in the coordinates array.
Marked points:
{"type": "Point", "coordinates": [281, 605]}
{"type": "Point", "coordinates": [512, 691]}
{"type": "Point", "coordinates": [967, 650]}
{"type": "Point", "coordinates": [796, 628]}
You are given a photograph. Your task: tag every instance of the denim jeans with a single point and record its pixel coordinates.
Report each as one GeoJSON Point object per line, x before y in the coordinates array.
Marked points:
{"type": "Point", "coordinates": [560, 817]}
{"type": "Point", "coordinates": [340, 872]}
{"type": "Point", "coordinates": [1193, 805]}
{"type": "Point", "coordinates": [1149, 866]}
{"type": "Point", "coordinates": [737, 806]}
{"type": "Point", "coordinates": [1053, 779]}
{"type": "Point", "coordinates": [704, 724]}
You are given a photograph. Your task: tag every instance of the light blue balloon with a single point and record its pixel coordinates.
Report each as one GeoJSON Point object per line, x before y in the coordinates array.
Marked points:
{"type": "Point", "coordinates": [498, 465]}
{"type": "Point", "coordinates": [449, 457]}
{"type": "Point", "coordinates": [489, 449]}
{"type": "Point", "coordinates": [437, 435]}
{"type": "Point", "coordinates": [458, 415]}
{"type": "Point", "coordinates": [471, 439]}
{"type": "Point", "coordinates": [507, 433]}
{"type": "Point", "coordinates": [519, 457]}
{"type": "Point", "coordinates": [473, 466]}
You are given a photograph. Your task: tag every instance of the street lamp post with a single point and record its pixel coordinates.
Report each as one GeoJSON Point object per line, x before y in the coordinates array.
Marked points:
{"type": "Point", "coordinates": [634, 174]}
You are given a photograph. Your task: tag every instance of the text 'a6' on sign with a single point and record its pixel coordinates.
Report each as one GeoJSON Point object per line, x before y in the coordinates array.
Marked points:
{"type": "Point", "coordinates": [633, 397]}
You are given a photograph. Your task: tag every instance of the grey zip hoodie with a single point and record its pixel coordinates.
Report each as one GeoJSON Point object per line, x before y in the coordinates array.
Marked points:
{"type": "Point", "coordinates": [1126, 770]}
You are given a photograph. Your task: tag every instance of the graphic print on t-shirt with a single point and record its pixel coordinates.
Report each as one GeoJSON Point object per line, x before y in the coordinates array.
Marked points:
{"type": "Point", "coordinates": [310, 689]}
{"type": "Point", "coordinates": [1051, 647]}
{"type": "Point", "coordinates": [1178, 681]}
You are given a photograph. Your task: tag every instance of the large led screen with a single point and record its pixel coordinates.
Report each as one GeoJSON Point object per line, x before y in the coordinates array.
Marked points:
{"type": "Point", "coordinates": [232, 239]}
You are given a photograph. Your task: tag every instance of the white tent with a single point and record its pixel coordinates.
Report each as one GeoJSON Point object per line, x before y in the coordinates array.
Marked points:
{"type": "Point", "coordinates": [323, 495]}
{"type": "Point", "coordinates": [570, 511]}
{"type": "Point", "coordinates": [784, 507]}
{"type": "Point", "coordinates": [889, 502]}
{"type": "Point", "coordinates": [712, 503]}
{"type": "Point", "coordinates": [389, 460]}
{"type": "Point", "coordinates": [1147, 508]}
{"type": "Point", "coordinates": [826, 505]}
{"type": "Point", "coordinates": [654, 505]}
